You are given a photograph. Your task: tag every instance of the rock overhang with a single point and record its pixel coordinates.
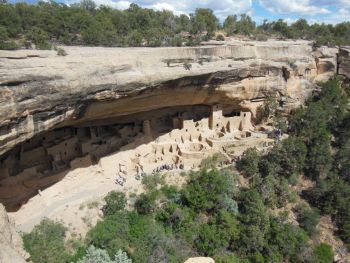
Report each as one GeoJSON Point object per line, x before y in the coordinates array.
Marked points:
{"type": "Point", "coordinates": [40, 90]}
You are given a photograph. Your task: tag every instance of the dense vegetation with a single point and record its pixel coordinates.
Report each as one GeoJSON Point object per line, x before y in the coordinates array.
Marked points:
{"type": "Point", "coordinates": [85, 23]}
{"type": "Point", "coordinates": [211, 216]}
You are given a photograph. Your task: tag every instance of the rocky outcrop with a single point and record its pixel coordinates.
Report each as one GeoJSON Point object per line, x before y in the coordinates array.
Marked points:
{"type": "Point", "coordinates": [40, 90]}
{"type": "Point", "coordinates": [200, 260]}
{"type": "Point", "coordinates": [11, 247]}
{"type": "Point", "coordinates": [344, 61]}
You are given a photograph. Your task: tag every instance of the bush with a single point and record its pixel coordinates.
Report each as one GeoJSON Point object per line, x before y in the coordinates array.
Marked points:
{"type": "Point", "coordinates": [111, 234]}
{"type": "Point", "coordinates": [121, 257]}
{"type": "Point", "coordinates": [220, 37]}
{"type": "Point", "coordinates": [151, 182]}
{"type": "Point", "coordinates": [248, 165]}
{"type": "Point", "coordinates": [61, 52]}
{"type": "Point", "coordinates": [211, 240]}
{"type": "Point", "coordinates": [96, 255]}
{"type": "Point", "coordinates": [39, 37]}
{"type": "Point", "coordinates": [115, 202]}
{"type": "Point", "coordinates": [287, 159]}
{"type": "Point", "coordinates": [187, 66]}
{"type": "Point", "coordinates": [308, 218]}
{"type": "Point", "coordinates": [145, 203]}
{"type": "Point", "coordinates": [208, 188]}
{"type": "Point", "coordinates": [46, 243]}
{"type": "Point", "coordinates": [324, 253]}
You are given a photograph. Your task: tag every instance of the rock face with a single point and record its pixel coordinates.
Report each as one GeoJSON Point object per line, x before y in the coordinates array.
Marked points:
{"type": "Point", "coordinates": [200, 260]}
{"type": "Point", "coordinates": [344, 61]}
{"type": "Point", "coordinates": [47, 101]}
{"type": "Point", "coordinates": [40, 90]}
{"type": "Point", "coordinates": [11, 247]}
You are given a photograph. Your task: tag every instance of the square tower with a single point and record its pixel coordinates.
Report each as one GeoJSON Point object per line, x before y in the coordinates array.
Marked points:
{"type": "Point", "coordinates": [216, 119]}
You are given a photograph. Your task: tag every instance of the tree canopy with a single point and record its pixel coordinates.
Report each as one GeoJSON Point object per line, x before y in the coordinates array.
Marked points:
{"type": "Point", "coordinates": [86, 23]}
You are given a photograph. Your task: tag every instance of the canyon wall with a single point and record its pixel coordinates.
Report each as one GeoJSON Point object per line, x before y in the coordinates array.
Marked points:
{"type": "Point", "coordinates": [344, 62]}
{"type": "Point", "coordinates": [40, 90]}
{"type": "Point", "coordinates": [60, 112]}
{"type": "Point", "coordinates": [11, 246]}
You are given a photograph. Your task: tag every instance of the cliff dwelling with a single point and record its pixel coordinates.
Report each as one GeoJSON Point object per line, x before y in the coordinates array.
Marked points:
{"type": "Point", "coordinates": [176, 138]}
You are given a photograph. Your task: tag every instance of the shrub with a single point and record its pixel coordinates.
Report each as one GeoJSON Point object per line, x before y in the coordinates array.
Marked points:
{"type": "Point", "coordinates": [121, 257]}
{"type": "Point", "coordinates": [220, 37]}
{"type": "Point", "coordinates": [287, 159]}
{"type": "Point", "coordinates": [46, 243]}
{"type": "Point", "coordinates": [249, 162]}
{"type": "Point", "coordinates": [145, 203]}
{"type": "Point", "coordinates": [187, 66]}
{"type": "Point", "coordinates": [324, 253]}
{"type": "Point", "coordinates": [308, 219]}
{"type": "Point", "coordinates": [211, 240]}
{"type": "Point", "coordinates": [151, 182]}
{"type": "Point", "coordinates": [111, 234]}
{"type": "Point", "coordinates": [39, 37]}
{"type": "Point", "coordinates": [96, 255]}
{"type": "Point", "coordinates": [115, 201]}
{"type": "Point", "coordinates": [208, 188]}
{"type": "Point", "coordinates": [176, 42]}
{"type": "Point", "coordinates": [261, 37]}
{"type": "Point", "coordinates": [61, 52]}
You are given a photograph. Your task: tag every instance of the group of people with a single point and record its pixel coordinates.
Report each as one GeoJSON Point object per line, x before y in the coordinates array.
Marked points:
{"type": "Point", "coordinates": [120, 180]}
{"type": "Point", "coordinates": [167, 167]}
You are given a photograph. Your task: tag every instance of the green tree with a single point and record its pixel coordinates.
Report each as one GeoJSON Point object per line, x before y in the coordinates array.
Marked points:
{"type": "Point", "coordinates": [207, 188]}
{"type": "Point", "coordinates": [204, 20]}
{"type": "Point", "coordinates": [249, 162]}
{"type": "Point", "coordinates": [245, 25]}
{"type": "Point", "coordinates": [230, 25]}
{"type": "Point", "coordinates": [115, 202]}
{"type": "Point", "coordinates": [255, 221]}
{"type": "Point", "coordinates": [10, 20]}
{"type": "Point", "coordinates": [46, 243]}
{"type": "Point", "coordinates": [342, 161]}
{"type": "Point", "coordinates": [39, 37]}
{"type": "Point", "coordinates": [88, 5]}
{"type": "Point", "coordinates": [145, 203]}
{"type": "Point", "coordinates": [308, 219]}
{"type": "Point", "coordinates": [211, 240]}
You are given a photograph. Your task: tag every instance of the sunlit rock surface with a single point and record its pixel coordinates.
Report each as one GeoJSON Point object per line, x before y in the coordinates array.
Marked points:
{"type": "Point", "coordinates": [40, 90]}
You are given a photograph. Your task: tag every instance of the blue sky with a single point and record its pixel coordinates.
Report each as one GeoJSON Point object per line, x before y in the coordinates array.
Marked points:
{"type": "Point", "coordinates": [327, 11]}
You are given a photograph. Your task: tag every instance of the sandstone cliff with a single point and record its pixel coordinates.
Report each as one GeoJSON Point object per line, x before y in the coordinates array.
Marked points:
{"type": "Point", "coordinates": [344, 61]}
{"type": "Point", "coordinates": [11, 250]}
{"type": "Point", "coordinates": [40, 90]}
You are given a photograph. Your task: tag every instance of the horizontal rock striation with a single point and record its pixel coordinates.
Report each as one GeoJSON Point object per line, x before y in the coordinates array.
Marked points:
{"type": "Point", "coordinates": [40, 90]}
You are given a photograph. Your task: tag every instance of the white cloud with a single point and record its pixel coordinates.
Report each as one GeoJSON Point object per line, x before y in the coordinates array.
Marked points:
{"type": "Point", "coordinates": [289, 20]}
{"type": "Point", "coordinates": [338, 16]}
{"type": "Point", "coordinates": [302, 7]}
{"type": "Point", "coordinates": [122, 5]}
{"type": "Point", "coordinates": [345, 3]}
{"type": "Point", "coordinates": [166, 6]}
